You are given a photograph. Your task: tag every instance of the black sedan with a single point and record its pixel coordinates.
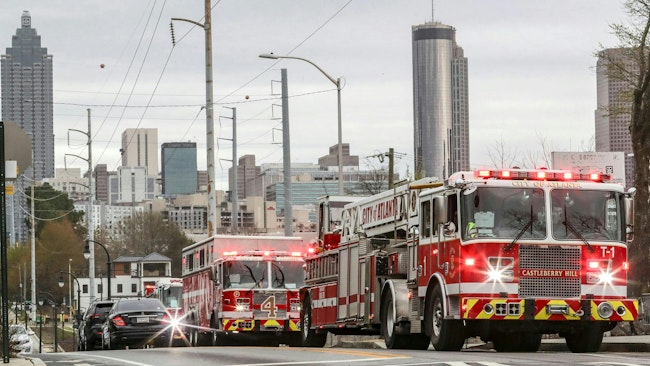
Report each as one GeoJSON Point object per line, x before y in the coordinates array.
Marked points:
{"type": "Point", "coordinates": [136, 323]}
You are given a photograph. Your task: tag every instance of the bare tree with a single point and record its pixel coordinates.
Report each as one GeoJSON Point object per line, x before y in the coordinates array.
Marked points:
{"type": "Point", "coordinates": [631, 64]}
{"type": "Point", "coordinates": [376, 180]}
{"type": "Point", "coordinates": [501, 157]}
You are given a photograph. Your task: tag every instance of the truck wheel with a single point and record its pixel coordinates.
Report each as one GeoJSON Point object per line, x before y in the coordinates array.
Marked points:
{"type": "Point", "coordinates": [194, 335]}
{"type": "Point", "coordinates": [446, 334]}
{"type": "Point", "coordinates": [309, 336]}
{"type": "Point", "coordinates": [218, 337]}
{"type": "Point", "coordinates": [388, 326]}
{"type": "Point", "coordinates": [588, 339]}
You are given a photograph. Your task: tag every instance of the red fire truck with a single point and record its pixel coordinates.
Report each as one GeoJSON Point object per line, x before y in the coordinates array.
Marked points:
{"type": "Point", "coordinates": [503, 255]}
{"type": "Point", "coordinates": [170, 291]}
{"type": "Point", "coordinates": [243, 289]}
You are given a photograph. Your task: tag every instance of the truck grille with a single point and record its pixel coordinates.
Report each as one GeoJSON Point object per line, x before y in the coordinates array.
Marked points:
{"type": "Point", "coordinates": [549, 258]}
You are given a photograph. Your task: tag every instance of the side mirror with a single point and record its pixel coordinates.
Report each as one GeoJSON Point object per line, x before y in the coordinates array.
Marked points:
{"type": "Point", "coordinates": [440, 210]}
{"type": "Point", "coordinates": [212, 273]}
{"type": "Point", "coordinates": [628, 202]}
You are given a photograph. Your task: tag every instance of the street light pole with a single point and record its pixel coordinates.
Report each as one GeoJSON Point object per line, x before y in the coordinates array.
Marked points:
{"type": "Point", "coordinates": [52, 301]}
{"type": "Point", "coordinates": [62, 283]}
{"type": "Point", "coordinates": [336, 82]}
{"type": "Point", "coordinates": [108, 262]}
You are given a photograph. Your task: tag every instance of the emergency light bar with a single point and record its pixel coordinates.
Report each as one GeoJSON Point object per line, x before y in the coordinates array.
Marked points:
{"type": "Point", "coordinates": [547, 175]}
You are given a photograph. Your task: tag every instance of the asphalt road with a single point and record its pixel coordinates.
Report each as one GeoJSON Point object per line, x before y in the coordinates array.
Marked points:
{"type": "Point", "coordinates": [276, 356]}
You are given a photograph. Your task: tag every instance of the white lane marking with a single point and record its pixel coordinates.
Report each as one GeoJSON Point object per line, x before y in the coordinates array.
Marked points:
{"type": "Point", "coordinates": [122, 360]}
{"type": "Point", "coordinates": [612, 363]}
{"type": "Point", "coordinates": [319, 362]}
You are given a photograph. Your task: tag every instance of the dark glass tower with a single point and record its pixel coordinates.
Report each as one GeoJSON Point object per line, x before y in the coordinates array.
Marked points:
{"type": "Point", "coordinates": [27, 93]}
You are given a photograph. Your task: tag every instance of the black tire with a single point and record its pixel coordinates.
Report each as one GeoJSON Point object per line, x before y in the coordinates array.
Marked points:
{"type": "Point", "coordinates": [392, 339]}
{"type": "Point", "coordinates": [586, 340]}
{"type": "Point", "coordinates": [446, 334]}
{"type": "Point", "coordinates": [309, 336]}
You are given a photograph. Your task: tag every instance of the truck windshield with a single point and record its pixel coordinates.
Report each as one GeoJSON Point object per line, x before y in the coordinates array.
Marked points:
{"type": "Point", "coordinates": [503, 212]}
{"type": "Point", "coordinates": [594, 215]}
{"type": "Point", "coordinates": [287, 274]}
{"type": "Point", "coordinates": [245, 273]}
{"type": "Point", "coordinates": [171, 297]}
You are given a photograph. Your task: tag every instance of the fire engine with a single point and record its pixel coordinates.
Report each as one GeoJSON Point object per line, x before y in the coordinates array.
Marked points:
{"type": "Point", "coordinates": [504, 255]}
{"type": "Point", "coordinates": [170, 291]}
{"type": "Point", "coordinates": [243, 288]}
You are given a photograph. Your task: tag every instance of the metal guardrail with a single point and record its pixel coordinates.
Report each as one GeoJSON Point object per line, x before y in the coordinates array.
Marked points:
{"type": "Point", "coordinates": [644, 308]}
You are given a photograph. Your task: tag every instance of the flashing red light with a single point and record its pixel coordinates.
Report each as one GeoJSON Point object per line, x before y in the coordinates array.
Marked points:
{"type": "Point", "coordinates": [626, 266]}
{"type": "Point", "coordinates": [311, 250]}
{"type": "Point", "coordinates": [594, 176]}
{"type": "Point", "coordinates": [506, 174]}
{"type": "Point", "coordinates": [267, 253]}
{"type": "Point", "coordinates": [470, 261]}
{"type": "Point", "coordinates": [296, 254]}
{"type": "Point", "coordinates": [567, 175]}
{"type": "Point", "coordinates": [234, 252]}
{"type": "Point", "coordinates": [484, 173]}
{"type": "Point", "coordinates": [541, 175]}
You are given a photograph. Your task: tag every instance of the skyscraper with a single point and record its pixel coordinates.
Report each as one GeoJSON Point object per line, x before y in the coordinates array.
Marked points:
{"type": "Point", "coordinates": [140, 148]}
{"type": "Point", "coordinates": [27, 93]}
{"type": "Point", "coordinates": [614, 107]}
{"type": "Point", "coordinates": [178, 161]}
{"type": "Point", "coordinates": [440, 101]}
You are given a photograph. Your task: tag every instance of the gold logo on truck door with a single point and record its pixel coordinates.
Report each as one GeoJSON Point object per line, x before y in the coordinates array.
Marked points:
{"type": "Point", "coordinates": [269, 306]}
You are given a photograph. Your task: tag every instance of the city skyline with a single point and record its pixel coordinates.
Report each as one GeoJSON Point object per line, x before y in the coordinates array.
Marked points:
{"type": "Point", "coordinates": [539, 79]}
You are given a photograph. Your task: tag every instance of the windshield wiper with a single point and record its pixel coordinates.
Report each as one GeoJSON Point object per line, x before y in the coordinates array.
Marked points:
{"type": "Point", "coordinates": [529, 224]}
{"type": "Point", "coordinates": [281, 281]}
{"type": "Point", "coordinates": [575, 232]}
{"type": "Point", "coordinates": [250, 271]}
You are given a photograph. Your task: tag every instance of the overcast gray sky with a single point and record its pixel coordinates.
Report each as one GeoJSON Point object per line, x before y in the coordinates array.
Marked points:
{"type": "Point", "coordinates": [531, 72]}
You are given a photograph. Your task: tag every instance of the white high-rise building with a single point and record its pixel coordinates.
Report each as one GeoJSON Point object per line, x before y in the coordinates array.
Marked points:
{"type": "Point", "coordinates": [140, 148]}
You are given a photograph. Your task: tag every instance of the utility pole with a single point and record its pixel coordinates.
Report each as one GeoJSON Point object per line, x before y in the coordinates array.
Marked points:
{"type": "Point", "coordinates": [391, 164]}
{"type": "Point", "coordinates": [286, 157]}
{"type": "Point", "coordinates": [234, 199]}
{"type": "Point", "coordinates": [209, 117]}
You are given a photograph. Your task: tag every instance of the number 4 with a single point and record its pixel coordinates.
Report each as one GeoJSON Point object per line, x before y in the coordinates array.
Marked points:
{"type": "Point", "coordinates": [269, 306]}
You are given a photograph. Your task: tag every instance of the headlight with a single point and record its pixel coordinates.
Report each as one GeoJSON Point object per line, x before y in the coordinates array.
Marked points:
{"type": "Point", "coordinates": [501, 276]}
{"type": "Point", "coordinates": [500, 269]}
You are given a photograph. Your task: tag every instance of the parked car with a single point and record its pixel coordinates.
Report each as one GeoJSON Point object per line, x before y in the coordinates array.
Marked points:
{"type": "Point", "coordinates": [21, 339]}
{"type": "Point", "coordinates": [136, 323]}
{"type": "Point", "coordinates": [90, 326]}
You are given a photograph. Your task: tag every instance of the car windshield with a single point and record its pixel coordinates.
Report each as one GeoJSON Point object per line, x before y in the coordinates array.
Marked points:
{"type": "Point", "coordinates": [18, 329]}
